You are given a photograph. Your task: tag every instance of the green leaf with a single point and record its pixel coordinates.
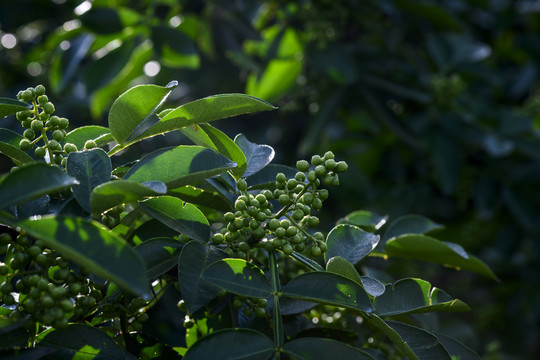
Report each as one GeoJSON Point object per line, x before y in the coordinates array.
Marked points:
{"type": "Point", "coordinates": [9, 146]}
{"type": "Point", "coordinates": [239, 277]}
{"type": "Point", "coordinates": [179, 166]}
{"type": "Point", "coordinates": [112, 193]}
{"type": "Point", "coordinates": [310, 263]}
{"type": "Point", "coordinates": [240, 344]}
{"type": "Point", "coordinates": [423, 343]}
{"type": "Point", "coordinates": [11, 106]}
{"type": "Point", "coordinates": [159, 255]}
{"type": "Point", "coordinates": [410, 224]}
{"type": "Point", "coordinates": [149, 348]}
{"type": "Point", "coordinates": [340, 266]}
{"type": "Point", "coordinates": [134, 108]}
{"type": "Point", "coordinates": [30, 182]}
{"type": "Point", "coordinates": [257, 156]}
{"type": "Point", "coordinates": [204, 110]}
{"type": "Point", "coordinates": [184, 218]}
{"type": "Point", "coordinates": [210, 137]}
{"type": "Point", "coordinates": [91, 168]}
{"type": "Point", "coordinates": [92, 246]}
{"type": "Point", "coordinates": [80, 135]}
{"type": "Point", "coordinates": [426, 248]}
{"type": "Point", "coordinates": [279, 77]}
{"type": "Point", "coordinates": [456, 349]}
{"type": "Point", "coordinates": [415, 296]}
{"type": "Point", "coordinates": [12, 333]}
{"type": "Point", "coordinates": [109, 20]}
{"type": "Point", "coordinates": [198, 196]}
{"type": "Point", "coordinates": [366, 220]}
{"type": "Point", "coordinates": [350, 242]}
{"type": "Point", "coordinates": [79, 341]}
{"type": "Point", "coordinates": [194, 258]}
{"type": "Point", "coordinates": [323, 349]}
{"type": "Point", "coordinates": [266, 178]}
{"type": "Point", "coordinates": [328, 288]}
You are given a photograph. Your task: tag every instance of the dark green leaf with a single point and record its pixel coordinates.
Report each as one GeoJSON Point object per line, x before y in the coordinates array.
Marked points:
{"type": "Point", "coordinates": [184, 218]}
{"type": "Point", "coordinates": [323, 349]}
{"type": "Point", "coordinates": [159, 254]}
{"type": "Point", "coordinates": [312, 264]}
{"type": "Point", "coordinates": [457, 349]}
{"type": "Point", "coordinates": [194, 258]}
{"type": "Point", "coordinates": [205, 110]}
{"type": "Point", "coordinates": [238, 344]}
{"type": "Point", "coordinates": [198, 196]}
{"type": "Point", "coordinates": [415, 296]}
{"type": "Point", "coordinates": [79, 341]}
{"type": "Point", "coordinates": [134, 108]}
{"type": "Point", "coordinates": [340, 266]}
{"type": "Point", "coordinates": [372, 286]}
{"type": "Point", "coordinates": [410, 224]}
{"type": "Point", "coordinates": [9, 146]}
{"type": "Point", "coordinates": [210, 137]}
{"type": "Point", "coordinates": [149, 348]}
{"type": "Point", "coordinates": [350, 242]}
{"type": "Point", "coordinates": [239, 277]}
{"type": "Point", "coordinates": [177, 49]}
{"type": "Point", "coordinates": [422, 247]}
{"type": "Point", "coordinates": [80, 135]}
{"type": "Point", "coordinates": [424, 344]}
{"type": "Point", "coordinates": [91, 168]}
{"type": "Point", "coordinates": [328, 288]}
{"type": "Point", "coordinates": [112, 193]}
{"type": "Point", "coordinates": [11, 106]}
{"type": "Point", "coordinates": [179, 166]}
{"type": "Point", "coordinates": [66, 63]}
{"type": "Point", "coordinates": [109, 20]}
{"type": "Point", "coordinates": [257, 156]}
{"type": "Point", "coordinates": [92, 246]}
{"type": "Point", "coordinates": [266, 178]}
{"type": "Point", "coordinates": [365, 220]}
{"type": "Point", "coordinates": [30, 182]}
{"type": "Point", "coordinates": [12, 334]}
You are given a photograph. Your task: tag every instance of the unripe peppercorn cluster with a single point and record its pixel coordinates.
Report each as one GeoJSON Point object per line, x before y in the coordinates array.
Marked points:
{"type": "Point", "coordinates": [254, 224]}
{"type": "Point", "coordinates": [42, 125]}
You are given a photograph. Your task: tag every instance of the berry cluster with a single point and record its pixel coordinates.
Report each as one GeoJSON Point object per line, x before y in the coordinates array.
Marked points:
{"type": "Point", "coordinates": [250, 306]}
{"type": "Point", "coordinates": [255, 225]}
{"type": "Point", "coordinates": [40, 286]}
{"type": "Point", "coordinates": [41, 124]}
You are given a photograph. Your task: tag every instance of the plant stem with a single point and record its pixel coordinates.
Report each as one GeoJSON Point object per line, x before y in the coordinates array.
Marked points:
{"type": "Point", "coordinates": [276, 316]}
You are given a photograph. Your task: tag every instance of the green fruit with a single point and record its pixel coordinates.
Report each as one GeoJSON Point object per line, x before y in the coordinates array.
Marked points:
{"type": "Point", "coordinates": [40, 90]}
{"type": "Point", "coordinates": [302, 165]}
{"type": "Point", "coordinates": [313, 221]}
{"type": "Point", "coordinates": [330, 164]}
{"type": "Point", "coordinates": [58, 135]}
{"type": "Point", "coordinates": [9, 300]}
{"type": "Point", "coordinates": [64, 123]}
{"type": "Point", "coordinates": [315, 251]}
{"type": "Point", "coordinates": [323, 194]}
{"type": "Point", "coordinates": [28, 95]}
{"type": "Point", "coordinates": [240, 205]}
{"type": "Point", "coordinates": [54, 145]}
{"type": "Point", "coordinates": [48, 108]}
{"type": "Point", "coordinates": [47, 301]}
{"type": "Point", "coordinates": [284, 199]}
{"type": "Point", "coordinates": [40, 152]}
{"type": "Point", "coordinates": [320, 170]}
{"type": "Point", "coordinates": [273, 224]}
{"type": "Point", "coordinates": [260, 312]}
{"type": "Point", "coordinates": [29, 134]}
{"type": "Point", "coordinates": [90, 144]}
{"type": "Point", "coordinates": [258, 233]}
{"type": "Point", "coordinates": [316, 160]}
{"type": "Point", "coordinates": [181, 305]}
{"type": "Point", "coordinates": [311, 176]}
{"type": "Point", "coordinates": [281, 178]}
{"type": "Point", "coordinates": [287, 249]}
{"type": "Point", "coordinates": [300, 176]}
{"type": "Point", "coordinates": [25, 144]}
{"type": "Point", "coordinates": [241, 185]}
{"type": "Point", "coordinates": [23, 115]}
{"type": "Point", "coordinates": [328, 155]}
{"type": "Point", "coordinates": [42, 100]}
{"type": "Point", "coordinates": [280, 232]}
{"type": "Point", "coordinates": [291, 231]}
{"type": "Point", "coordinates": [317, 204]}
{"type": "Point", "coordinates": [53, 122]}
{"type": "Point", "coordinates": [237, 304]}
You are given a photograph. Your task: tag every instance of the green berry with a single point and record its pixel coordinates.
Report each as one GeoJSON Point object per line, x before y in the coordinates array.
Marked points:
{"type": "Point", "coordinates": [258, 233]}
{"type": "Point", "coordinates": [287, 249]}
{"type": "Point", "coordinates": [328, 155]}
{"type": "Point", "coordinates": [9, 300]}
{"type": "Point", "coordinates": [64, 123]}
{"type": "Point", "coordinates": [42, 100]}
{"type": "Point", "coordinates": [316, 160]}
{"type": "Point", "coordinates": [300, 176]}
{"type": "Point", "coordinates": [40, 152]}
{"type": "Point", "coordinates": [297, 214]}
{"type": "Point", "coordinates": [54, 145]}
{"type": "Point", "coordinates": [323, 247]}
{"type": "Point", "coordinates": [240, 205]}
{"type": "Point", "coordinates": [341, 166]}
{"type": "Point", "coordinates": [23, 115]}
{"type": "Point", "coordinates": [323, 194]}
{"type": "Point", "coordinates": [48, 108]}
{"type": "Point", "coordinates": [237, 304]}
{"type": "Point", "coordinates": [280, 232]}
{"type": "Point", "coordinates": [28, 95]}
{"type": "Point", "coordinates": [311, 176]}
{"type": "Point", "coordinates": [313, 221]}
{"type": "Point", "coordinates": [29, 134]}
{"type": "Point", "coordinates": [58, 135]}
{"type": "Point", "coordinates": [36, 125]}
{"type": "Point", "coordinates": [302, 165]}
{"type": "Point", "coordinates": [241, 185]}
{"type": "Point", "coordinates": [252, 211]}
{"type": "Point", "coordinates": [90, 144]}
{"type": "Point", "coordinates": [247, 311]}
{"type": "Point", "coordinates": [69, 148]}
{"type": "Point", "coordinates": [284, 199]}
{"type": "Point", "coordinates": [53, 122]}
{"type": "Point", "coordinates": [40, 90]}
{"type": "Point", "coordinates": [291, 231]}
{"type": "Point", "coordinates": [320, 170]}
{"type": "Point", "coordinates": [260, 216]}
{"type": "Point", "coordinates": [281, 178]}
{"type": "Point", "coordinates": [26, 123]}
{"type": "Point", "coordinates": [330, 164]}
{"type": "Point", "coordinates": [260, 312]}
{"type": "Point", "coordinates": [317, 204]}
{"type": "Point", "coordinates": [315, 251]}
{"type": "Point", "coordinates": [25, 144]}
{"type": "Point", "coordinates": [217, 238]}
{"type": "Point", "coordinates": [291, 184]}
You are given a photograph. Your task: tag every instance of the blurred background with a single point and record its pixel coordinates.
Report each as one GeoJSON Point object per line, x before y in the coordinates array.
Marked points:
{"type": "Point", "coordinates": [435, 105]}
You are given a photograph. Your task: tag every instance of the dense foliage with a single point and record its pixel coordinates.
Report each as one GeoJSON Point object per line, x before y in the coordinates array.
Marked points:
{"type": "Point", "coordinates": [432, 104]}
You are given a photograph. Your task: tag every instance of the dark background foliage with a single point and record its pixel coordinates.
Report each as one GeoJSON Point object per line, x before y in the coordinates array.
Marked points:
{"type": "Point", "coordinates": [434, 104]}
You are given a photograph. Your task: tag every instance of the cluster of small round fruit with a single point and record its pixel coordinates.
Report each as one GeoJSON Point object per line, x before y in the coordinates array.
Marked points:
{"type": "Point", "coordinates": [255, 225]}
{"type": "Point", "coordinates": [41, 124]}
{"type": "Point", "coordinates": [39, 286]}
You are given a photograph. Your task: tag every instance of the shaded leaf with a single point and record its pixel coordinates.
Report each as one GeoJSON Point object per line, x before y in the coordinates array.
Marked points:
{"type": "Point", "coordinates": [91, 168]}
{"type": "Point", "coordinates": [323, 349]}
{"type": "Point", "coordinates": [423, 343]}
{"type": "Point", "coordinates": [182, 217]}
{"type": "Point", "coordinates": [266, 177]}
{"type": "Point", "coordinates": [9, 146]}
{"type": "Point", "coordinates": [257, 156]}
{"type": "Point", "coordinates": [92, 246]}
{"type": "Point", "coordinates": [457, 349]}
{"type": "Point", "coordinates": [112, 193]}
{"type": "Point", "coordinates": [12, 333]}
{"type": "Point", "coordinates": [410, 224]}
{"type": "Point", "coordinates": [239, 277]}
{"type": "Point", "coordinates": [328, 288]}
{"type": "Point", "coordinates": [415, 296]}
{"type": "Point", "coordinates": [372, 286]}
{"type": "Point", "coordinates": [159, 255]}
{"type": "Point", "coordinates": [237, 344]}
{"type": "Point", "coordinates": [134, 108]}
{"type": "Point", "coordinates": [20, 185]}
{"type": "Point", "coordinates": [198, 196]}
{"type": "Point", "coordinates": [150, 348]}
{"type": "Point", "coordinates": [194, 258]}
{"type": "Point", "coordinates": [422, 247]}
{"type": "Point", "coordinates": [81, 134]}
{"type": "Point", "coordinates": [350, 242]}
{"type": "Point", "coordinates": [11, 106]}
{"type": "Point", "coordinates": [109, 20]}
{"type": "Point", "coordinates": [179, 166]}
{"type": "Point", "coordinates": [365, 220]}
{"type": "Point", "coordinates": [340, 266]}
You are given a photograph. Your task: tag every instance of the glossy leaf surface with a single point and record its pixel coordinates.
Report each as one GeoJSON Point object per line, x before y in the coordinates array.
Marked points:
{"type": "Point", "coordinates": [9, 146]}
{"type": "Point", "coordinates": [159, 255]}
{"type": "Point", "coordinates": [257, 156]}
{"type": "Point", "coordinates": [323, 349]}
{"type": "Point", "coordinates": [184, 218]}
{"type": "Point", "coordinates": [194, 258]}
{"type": "Point", "coordinates": [91, 168]}
{"type": "Point", "coordinates": [410, 224]}
{"type": "Point", "coordinates": [328, 288]}
{"type": "Point", "coordinates": [415, 296]}
{"type": "Point", "coordinates": [423, 343]}
{"type": "Point", "coordinates": [350, 242]}
{"type": "Point", "coordinates": [422, 247]}
{"type": "Point", "coordinates": [340, 266]}
{"type": "Point", "coordinates": [93, 247]}
{"type": "Point", "coordinates": [11, 106]}
{"type": "Point", "coordinates": [365, 220]}
{"type": "Point", "coordinates": [81, 134]}
{"type": "Point", "coordinates": [112, 193]}
{"type": "Point", "coordinates": [179, 166]}
{"type": "Point", "coordinates": [232, 344]}
{"type": "Point", "coordinates": [239, 277]}
{"type": "Point", "coordinates": [24, 183]}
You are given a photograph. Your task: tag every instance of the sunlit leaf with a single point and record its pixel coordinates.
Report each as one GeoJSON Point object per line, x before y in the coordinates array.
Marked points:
{"type": "Point", "coordinates": [257, 156]}
{"type": "Point", "coordinates": [11, 106]}
{"type": "Point", "coordinates": [350, 242]}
